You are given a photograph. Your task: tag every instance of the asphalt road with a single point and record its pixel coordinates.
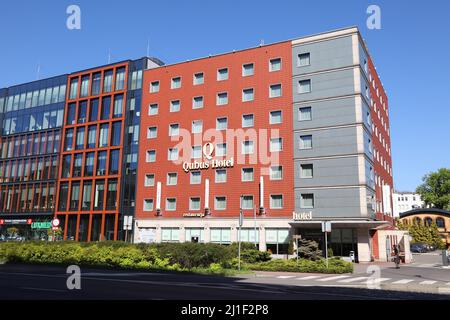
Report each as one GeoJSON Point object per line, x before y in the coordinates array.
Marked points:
{"type": "Point", "coordinates": [49, 282]}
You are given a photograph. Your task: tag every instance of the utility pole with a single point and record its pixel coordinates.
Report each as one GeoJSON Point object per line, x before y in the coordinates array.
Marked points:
{"type": "Point", "coordinates": [241, 218]}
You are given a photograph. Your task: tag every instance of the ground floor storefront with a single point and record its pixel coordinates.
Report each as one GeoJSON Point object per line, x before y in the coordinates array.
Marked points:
{"type": "Point", "coordinates": [26, 228]}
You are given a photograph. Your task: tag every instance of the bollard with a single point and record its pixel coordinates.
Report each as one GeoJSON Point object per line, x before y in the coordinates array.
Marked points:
{"type": "Point", "coordinates": [444, 258]}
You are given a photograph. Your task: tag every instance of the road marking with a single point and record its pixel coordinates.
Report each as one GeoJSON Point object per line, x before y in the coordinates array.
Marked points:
{"type": "Point", "coordinates": [376, 280]}
{"type": "Point", "coordinates": [308, 278]}
{"type": "Point", "coordinates": [333, 278]}
{"type": "Point", "coordinates": [285, 277]}
{"type": "Point", "coordinates": [42, 289]}
{"type": "Point", "coordinates": [353, 279]}
{"type": "Point", "coordinates": [403, 281]}
{"type": "Point", "coordinates": [427, 265]}
{"type": "Point", "coordinates": [428, 282]}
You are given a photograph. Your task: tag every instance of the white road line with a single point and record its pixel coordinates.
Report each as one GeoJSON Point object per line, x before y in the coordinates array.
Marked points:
{"type": "Point", "coordinates": [353, 279]}
{"type": "Point", "coordinates": [309, 278]}
{"type": "Point", "coordinates": [333, 278]}
{"type": "Point", "coordinates": [403, 281]}
{"type": "Point", "coordinates": [428, 282]}
{"type": "Point", "coordinates": [285, 277]}
{"type": "Point", "coordinates": [43, 289]}
{"type": "Point", "coordinates": [427, 265]}
{"type": "Point", "coordinates": [376, 280]}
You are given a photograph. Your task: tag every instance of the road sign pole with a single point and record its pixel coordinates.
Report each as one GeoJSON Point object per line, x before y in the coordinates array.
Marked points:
{"type": "Point", "coordinates": [326, 247]}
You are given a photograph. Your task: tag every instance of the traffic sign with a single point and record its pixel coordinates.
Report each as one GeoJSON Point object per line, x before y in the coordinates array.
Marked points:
{"type": "Point", "coordinates": [55, 223]}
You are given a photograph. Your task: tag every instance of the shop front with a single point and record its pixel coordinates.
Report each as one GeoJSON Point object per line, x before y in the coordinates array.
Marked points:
{"type": "Point", "coordinates": [25, 229]}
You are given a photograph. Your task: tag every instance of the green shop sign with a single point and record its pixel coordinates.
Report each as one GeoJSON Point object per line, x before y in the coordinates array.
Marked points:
{"type": "Point", "coordinates": [41, 225]}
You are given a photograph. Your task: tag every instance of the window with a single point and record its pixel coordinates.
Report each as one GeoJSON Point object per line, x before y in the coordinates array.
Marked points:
{"type": "Point", "coordinates": [92, 137]}
{"type": "Point", "coordinates": [71, 110]}
{"type": "Point", "coordinates": [221, 123]}
{"type": "Point", "coordinates": [247, 174]}
{"type": "Point", "coordinates": [153, 109]}
{"type": "Point", "coordinates": [304, 86]}
{"type": "Point", "coordinates": [66, 166]}
{"type": "Point", "coordinates": [152, 132]}
{"type": "Point", "coordinates": [150, 156]}
{"type": "Point", "coordinates": [195, 177]}
{"type": "Point", "coordinates": [306, 142]}
{"type": "Point", "coordinates": [106, 106]}
{"type": "Point", "coordinates": [304, 59]}
{"type": "Point", "coordinates": [222, 98]}
{"type": "Point", "coordinates": [74, 196]}
{"type": "Point", "coordinates": [276, 201]}
{"type": "Point", "coordinates": [89, 166]}
{"type": "Point", "coordinates": [194, 203]}
{"type": "Point", "coordinates": [148, 204]}
{"type": "Point", "coordinates": [277, 240]}
{"type": "Point", "coordinates": [96, 80]}
{"type": "Point", "coordinates": [118, 106]}
{"type": "Point", "coordinates": [306, 171]}
{"type": "Point", "coordinates": [220, 203]}
{"type": "Point", "coordinates": [101, 163]}
{"type": "Point", "coordinates": [222, 74]}
{"type": "Point", "coordinates": [93, 112]}
{"type": "Point", "coordinates": [194, 233]}
{"type": "Point", "coordinates": [154, 86]}
{"type": "Point", "coordinates": [84, 92]}
{"type": "Point", "coordinates": [68, 141]}
{"type": "Point", "coordinates": [107, 81]}
{"type": "Point", "coordinates": [99, 194]}
{"type": "Point", "coordinates": [221, 150]}
{"type": "Point", "coordinates": [247, 202]}
{"type": "Point", "coordinates": [103, 141]}
{"type": "Point", "coordinates": [197, 126]}
{"type": "Point", "coordinates": [149, 180]}
{"type": "Point", "coordinates": [174, 105]}
{"type": "Point", "coordinates": [196, 152]}
{"type": "Point", "coordinates": [221, 235]}
{"type": "Point", "coordinates": [305, 114]}
{"type": "Point", "coordinates": [248, 120]}
{"type": "Point", "coordinates": [111, 195]}
{"type": "Point", "coordinates": [72, 94]}
{"type": "Point", "coordinates": [221, 176]}
{"type": "Point", "coordinates": [114, 160]}
{"type": "Point", "coordinates": [247, 147]}
{"type": "Point", "coordinates": [307, 201]}
{"type": "Point", "coordinates": [275, 64]}
{"type": "Point", "coordinates": [80, 139]}
{"type": "Point", "coordinates": [82, 112]}
{"type": "Point", "coordinates": [171, 204]}
{"type": "Point", "coordinates": [172, 179]}
{"type": "Point", "coordinates": [247, 69]}
{"type": "Point", "coordinates": [440, 223]}
{"type": "Point", "coordinates": [276, 144]}
{"type": "Point", "coordinates": [120, 78]}
{"type": "Point", "coordinates": [275, 91]}
{"type": "Point", "coordinates": [172, 154]}
{"type": "Point", "coordinates": [175, 83]}
{"type": "Point", "coordinates": [197, 102]}
{"type": "Point", "coordinates": [275, 117]}
{"type": "Point", "coordinates": [174, 129]}
{"type": "Point", "coordinates": [198, 78]}
{"type": "Point", "coordinates": [170, 234]}
{"type": "Point", "coordinates": [87, 191]}
{"type": "Point", "coordinates": [276, 173]}
{"type": "Point", "coordinates": [248, 95]}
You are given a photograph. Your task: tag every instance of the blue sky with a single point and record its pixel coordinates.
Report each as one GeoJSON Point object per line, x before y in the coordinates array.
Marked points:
{"type": "Point", "coordinates": [411, 51]}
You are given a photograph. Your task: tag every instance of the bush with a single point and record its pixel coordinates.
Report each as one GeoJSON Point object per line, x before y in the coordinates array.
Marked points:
{"type": "Point", "coordinates": [303, 265]}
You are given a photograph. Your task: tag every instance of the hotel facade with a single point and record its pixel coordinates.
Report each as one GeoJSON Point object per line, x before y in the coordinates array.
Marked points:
{"type": "Point", "coordinates": [291, 134]}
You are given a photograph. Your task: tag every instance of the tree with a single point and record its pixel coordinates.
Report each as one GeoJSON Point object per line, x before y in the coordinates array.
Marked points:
{"type": "Point", "coordinates": [422, 233]}
{"type": "Point", "coordinates": [309, 249]}
{"type": "Point", "coordinates": [435, 189]}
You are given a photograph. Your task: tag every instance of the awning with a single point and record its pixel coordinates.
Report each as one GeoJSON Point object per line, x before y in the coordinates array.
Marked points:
{"type": "Point", "coordinates": [370, 224]}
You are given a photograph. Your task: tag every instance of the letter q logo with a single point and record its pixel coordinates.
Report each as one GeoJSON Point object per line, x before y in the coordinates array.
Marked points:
{"type": "Point", "coordinates": [208, 150]}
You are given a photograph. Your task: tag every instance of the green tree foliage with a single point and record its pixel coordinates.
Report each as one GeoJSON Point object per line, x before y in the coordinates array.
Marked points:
{"type": "Point", "coordinates": [422, 233]}
{"type": "Point", "coordinates": [435, 189]}
{"type": "Point", "coordinates": [309, 249]}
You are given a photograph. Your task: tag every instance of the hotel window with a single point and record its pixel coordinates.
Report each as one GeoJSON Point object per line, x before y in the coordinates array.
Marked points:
{"type": "Point", "coordinates": [275, 91]}
{"type": "Point", "coordinates": [275, 64]}
{"type": "Point", "coordinates": [275, 117]}
{"type": "Point", "coordinates": [154, 86]}
{"type": "Point", "coordinates": [96, 81]}
{"type": "Point", "coordinates": [198, 78]}
{"type": "Point", "coordinates": [220, 203]}
{"type": "Point", "coordinates": [149, 180]}
{"type": "Point", "coordinates": [197, 103]}
{"type": "Point", "coordinates": [172, 179]}
{"type": "Point", "coordinates": [307, 201]}
{"type": "Point", "coordinates": [304, 86]}
{"type": "Point", "coordinates": [304, 59]}
{"type": "Point", "coordinates": [222, 74]}
{"type": "Point", "coordinates": [150, 156]}
{"type": "Point", "coordinates": [148, 204]}
{"type": "Point", "coordinates": [276, 145]}
{"type": "Point", "coordinates": [174, 129]}
{"type": "Point", "coordinates": [248, 121]}
{"type": "Point", "coordinates": [194, 232]}
{"type": "Point", "coordinates": [153, 109]}
{"type": "Point", "coordinates": [247, 147]}
{"type": "Point", "coordinates": [222, 98]}
{"type": "Point", "coordinates": [196, 152]}
{"type": "Point", "coordinates": [118, 106]}
{"type": "Point", "coordinates": [306, 171]}
{"type": "Point", "coordinates": [221, 176]}
{"type": "Point", "coordinates": [84, 92]}
{"type": "Point", "coordinates": [221, 123]}
{"type": "Point", "coordinates": [277, 240]}
{"type": "Point", "coordinates": [120, 78]}
{"type": "Point", "coordinates": [305, 142]}
{"type": "Point", "coordinates": [247, 202]}
{"type": "Point", "coordinates": [107, 81]}
{"type": "Point", "coordinates": [305, 114]}
{"type": "Point", "coordinates": [170, 234]}
{"type": "Point", "coordinates": [197, 126]}
{"type": "Point", "coordinates": [194, 203]}
{"type": "Point", "coordinates": [247, 69]}
{"type": "Point", "coordinates": [221, 150]}
{"type": "Point", "coordinates": [175, 106]}
{"type": "Point", "coordinates": [103, 141]}
{"type": "Point", "coordinates": [276, 201]}
{"type": "Point", "coordinates": [171, 204]}
{"type": "Point", "coordinates": [221, 235]}
{"type": "Point", "coordinates": [73, 90]}
{"type": "Point", "coordinates": [248, 95]}
{"type": "Point", "coordinates": [173, 154]}
{"type": "Point", "coordinates": [175, 83]}
{"type": "Point", "coordinates": [247, 174]}
{"type": "Point", "coordinates": [276, 173]}
{"type": "Point", "coordinates": [195, 177]}
{"type": "Point", "coordinates": [152, 133]}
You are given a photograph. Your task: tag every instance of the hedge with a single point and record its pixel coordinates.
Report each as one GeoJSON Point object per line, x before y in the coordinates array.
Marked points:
{"type": "Point", "coordinates": [304, 266]}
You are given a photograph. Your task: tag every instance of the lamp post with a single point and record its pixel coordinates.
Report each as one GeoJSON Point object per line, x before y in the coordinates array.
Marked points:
{"type": "Point", "coordinates": [241, 218]}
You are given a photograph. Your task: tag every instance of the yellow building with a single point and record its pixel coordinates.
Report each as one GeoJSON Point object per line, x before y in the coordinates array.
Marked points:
{"type": "Point", "coordinates": [428, 216]}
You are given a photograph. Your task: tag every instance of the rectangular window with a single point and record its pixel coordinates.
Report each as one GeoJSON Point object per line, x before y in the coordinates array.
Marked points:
{"type": "Point", "coordinates": [68, 141]}
{"type": "Point", "coordinates": [175, 83]}
{"type": "Point", "coordinates": [305, 142]}
{"type": "Point", "coordinates": [247, 174]}
{"type": "Point", "coordinates": [103, 141]}
{"type": "Point", "coordinates": [247, 147]}
{"type": "Point", "coordinates": [172, 154]}
{"type": "Point", "coordinates": [171, 204]}
{"type": "Point", "coordinates": [84, 92]}
{"type": "Point", "coordinates": [107, 81]}
{"type": "Point", "coordinates": [305, 114]}
{"type": "Point", "coordinates": [96, 80]}
{"type": "Point", "coordinates": [72, 94]}
{"type": "Point", "coordinates": [222, 99]}
{"type": "Point", "coordinates": [99, 195]}
{"type": "Point", "coordinates": [101, 163]}
{"type": "Point", "coordinates": [275, 64]}
{"type": "Point", "coordinates": [196, 152]}
{"type": "Point", "coordinates": [195, 177]}
{"type": "Point", "coordinates": [247, 202]}
{"type": "Point", "coordinates": [248, 69]}
{"type": "Point", "coordinates": [111, 195]}
{"type": "Point", "coordinates": [149, 180]}
{"type": "Point", "coordinates": [154, 86]}
{"type": "Point", "coordinates": [194, 203]}
{"type": "Point", "coordinates": [170, 234]}
{"type": "Point", "coordinates": [306, 171]}
{"type": "Point", "coordinates": [152, 132]}
{"type": "Point", "coordinates": [248, 95]}
{"type": "Point", "coordinates": [276, 144]}
{"type": "Point", "coordinates": [304, 86]}
{"type": "Point", "coordinates": [307, 201]}
{"type": "Point", "coordinates": [304, 59]}
{"type": "Point", "coordinates": [276, 201]}
{"type": "Point", "coordinates": [221, 235]}
{"type": "Point", "coordinates": [221, 123]}
{"type": "Point", "coordinates": [276, 173]}
{"type": "Point", "coordinates": [275, 117]}
{"type": "Point", "coordinates": [82, 112]}
{"type": "Point", "coordinates": [248, 121]}
{"type": "Point", "coordinates": [199, 78]}
{"type": "Point", "coordinates": [221, 176]}
{"type": "Point", "coordinates": [120, 78]}
{"type": "Point", "coordinates": [92, 137]}
{"type": "Point", "coordinates": [153, 109]}
{"type": "Point", "coordinates": [174, 129]}
{"type": "Point", "coordinates": [174, 105]}
{"type": "Point", "coordinates": [222, 74]}
{"type": "Point", "coordinates": [87, 191]}
{"type": "Point", "coordinates": [148, 204]}
{"type": "Point", "coordinates": [275, 91]}
{"type": "Point", "coordinates": [118, 106]}
{"type": "Point", "coordinates": [116, 133]}
{"type": "Point", "coordinates": [106, 108]}
{"type": "Point", "coordinates": [80, 139]}
{"type": "Point", "coordinates": [220, 203]}
{"type": "Point", "coordinates": [197, 126]}
{"type": "Point", "coordinates": [150, 156]}
{"type": "Point", "coordinates": [114, 160]}
{"type": "Point", "coordinates": [89, 165]}
{"type": "Point", "coordinates": [197, 102]}
{"type": "Point", "coordinates": [221, 150]}
{"type": "Point", "coordinates": [93, 111]}
{"type": "Point", "coordinates": [172, 179]}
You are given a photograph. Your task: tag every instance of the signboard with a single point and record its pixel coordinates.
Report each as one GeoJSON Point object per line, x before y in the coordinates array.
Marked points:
{"type": "Point", "coordinates": [302, 216]}
{"type": "Point", "coordinates": [55, 223]}
{"type": "Point", "coordinates": [127, 222]}
{"type": "Point", "coordinates": [193, 215]}
{"type": "Point", "coordinates": [326, 226]}
{"type": "Point", "coordinates": [148, 235]}
{"type": "Point", "coordinates": [208, 150]}
{"type": "Point", "coordinates": [41, 225]}
{"type": "Point", "coordinates": [15, 221]}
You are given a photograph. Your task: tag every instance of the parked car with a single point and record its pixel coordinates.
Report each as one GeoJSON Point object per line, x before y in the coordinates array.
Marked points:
{"type": "Point", "coordinates": [418, 248]}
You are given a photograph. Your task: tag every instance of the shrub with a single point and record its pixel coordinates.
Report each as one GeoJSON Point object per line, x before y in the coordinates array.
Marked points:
{"type": "Point", "coordinates": [303, 265]}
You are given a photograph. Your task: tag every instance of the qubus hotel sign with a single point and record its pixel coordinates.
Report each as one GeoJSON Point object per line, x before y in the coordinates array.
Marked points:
{"type": "Point", "coordinates": [208, 151]}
